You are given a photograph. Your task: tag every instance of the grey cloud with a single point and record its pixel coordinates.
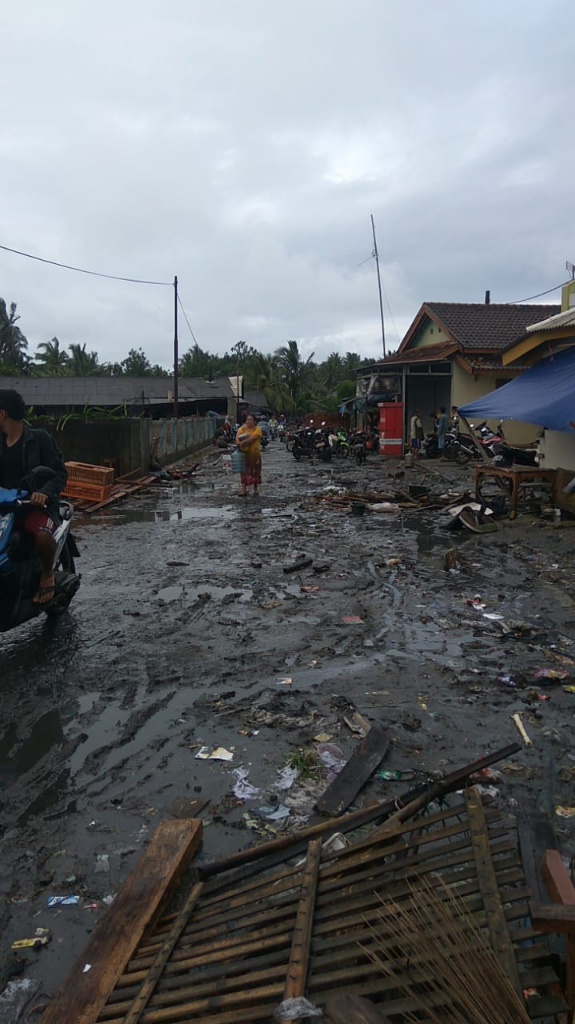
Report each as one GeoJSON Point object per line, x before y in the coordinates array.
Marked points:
{"type": "Point", "coordinates": [243, 146]}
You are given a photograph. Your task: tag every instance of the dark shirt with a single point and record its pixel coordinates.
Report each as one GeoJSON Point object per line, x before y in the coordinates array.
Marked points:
{"type": "Point", "coordinates": [12, 465]}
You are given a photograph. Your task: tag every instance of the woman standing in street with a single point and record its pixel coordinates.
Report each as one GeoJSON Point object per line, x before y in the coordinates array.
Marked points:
{"type": "Point", "coordinates": [248, 441]}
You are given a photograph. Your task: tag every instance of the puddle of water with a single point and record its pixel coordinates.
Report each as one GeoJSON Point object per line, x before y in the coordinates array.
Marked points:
{"type": "Point", "coordinates": [190, 595]}
{"type": "Point", "coordinates": [45, 733]}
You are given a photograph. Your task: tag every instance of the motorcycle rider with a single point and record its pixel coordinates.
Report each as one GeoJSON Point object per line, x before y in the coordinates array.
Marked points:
{"type": "Point", "coordinates": [23, 449]}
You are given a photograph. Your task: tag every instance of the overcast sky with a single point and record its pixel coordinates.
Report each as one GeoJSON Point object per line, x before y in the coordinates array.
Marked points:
{"type": "Point", "coordinates": [243, 145]}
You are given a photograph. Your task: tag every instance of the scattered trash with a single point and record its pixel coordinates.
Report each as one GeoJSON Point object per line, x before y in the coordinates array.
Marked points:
{"type": "Point", "coordinates": [352, 618]}
{"type": "Point", "coordinates": [507, 681]}
{"type": "Point", "coordinates": [309, 590]}
{"type": "Point", "coordinates": [394, 774]}
{"type": "Point", "coordinates": [86, 968]}
{"type": "Point", "coordinates": [217, 754]}
{"type": "Point", "coordinates": [16, 997]}
{"type": "Point", "coordinates": [551, 673]}
{"type": "Point", "coordinates": [476, 602]}
{"type": "Point", "coordinates": [516, 719]}
{"type": "Point", "coordinates": [384, 506]}
{"type": "Point", "coordinates": [285, 681]}
{"type": "Point", "coordinates": [62, 901]}
{"type": "Point", "coordinates": [332, 759]}
{"type": "Point", "coordinates": [489, 791]}
{"type": "Point", "coordinates": [357, 723]}
{"type": "Point", "coordinates": [286, 777]}
{"type": "Point", "coordinates": [569, 689]}
{"type": "Point", "coordinates": [494, 616]}
{"type": "Point", "coordinates": [40, 938]}
{"type": "Point", "coordinates": [565, 812]}
{"type": "Point", "coordinates": [452, 561]}
{"type": "Point", "coordinates": [102, 863]}
{"type": "Point", "coordinates": [275, 813]}
{"type": "Point", "coordinates": [243, 789]}
{"type": "Point", "coordinates": [323, 737]}
{"type": "Point", "coordinates": [293, 1009]}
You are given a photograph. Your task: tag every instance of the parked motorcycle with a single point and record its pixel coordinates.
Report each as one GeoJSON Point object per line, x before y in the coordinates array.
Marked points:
{"type": "Point", "coordinates": [20, 567]}
{"type": "Point", "coordinates": [302, 442]}
{"type": "Point", "coordinates": [357, 443]}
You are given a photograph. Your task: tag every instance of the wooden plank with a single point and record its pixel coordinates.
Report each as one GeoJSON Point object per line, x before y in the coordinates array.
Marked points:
{"type": "Point", "coordinates": [553, 917]}
{"type": "Point", "coordinates": [299, 956]}
{"type": "Point", "coordinates": [365, 759]}
{"type": "Point", "coordinates": [498, 930]}
{"type": "Point", "coordinates": [144, 995]}
{"type": "Point", "coordinates": [346, 1008]}
{"type": "Point", "coordinates": [151, 882]}
{"type": "Point", "coordinates": [561, 891]}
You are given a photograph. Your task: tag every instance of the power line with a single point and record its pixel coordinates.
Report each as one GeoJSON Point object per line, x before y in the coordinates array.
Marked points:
{"type": "Point", "coordinates": [538, 296]}
{"type": "Point", "coordinates": [186, 319]}
{"type": "Point", "coordinates": [80, 270]}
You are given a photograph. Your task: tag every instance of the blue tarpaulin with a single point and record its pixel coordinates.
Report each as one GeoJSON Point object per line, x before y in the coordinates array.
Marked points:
{"type": "Point", "coordinates": [544, 395]}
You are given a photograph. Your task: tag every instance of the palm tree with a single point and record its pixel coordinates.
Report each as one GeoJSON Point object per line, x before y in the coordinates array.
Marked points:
{"type": "Point", "coordinates": [53, 360]}
{"type": "Point", "coordinates": [352, 363]}
{"type": "Point", "coordinates": [332, 371]}
{"type": "Point", "coordinates": [82, 363]}
{"type": "Point", "coordinates": [294, 371]}
{"type": "Point", "coordinates": [13, 344]}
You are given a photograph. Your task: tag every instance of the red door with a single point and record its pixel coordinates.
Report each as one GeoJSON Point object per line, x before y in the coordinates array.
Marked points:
{"type": "Point", "coordinates": [391, 428]}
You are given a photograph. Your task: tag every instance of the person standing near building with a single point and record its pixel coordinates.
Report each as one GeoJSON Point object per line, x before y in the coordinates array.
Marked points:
{"type": "Point", "coordinates": [441, 429]}
{"type": "Point", "coordinates": [416, 433]}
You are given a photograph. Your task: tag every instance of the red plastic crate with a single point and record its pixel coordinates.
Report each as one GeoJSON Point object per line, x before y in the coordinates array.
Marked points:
{"type": "Point", "coordinates": [91, 492]}
{"type": "Point", "coordinates": [86, 473]}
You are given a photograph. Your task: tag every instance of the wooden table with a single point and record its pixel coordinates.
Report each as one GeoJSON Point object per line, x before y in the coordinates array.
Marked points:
{"type": "Point", "coordinates": [516, 480]}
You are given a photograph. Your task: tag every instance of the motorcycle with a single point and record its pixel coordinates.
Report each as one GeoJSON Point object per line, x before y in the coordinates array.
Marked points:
{"type": "Point", "coordinates": [358, 445]}
{"type": "Point", "coordinates": [20, 568]}
{"type": "Point", "coordinates": [321, 443]}
{"type": "Point", "coordinates": [302, 442]}
{"type": "Point", "coordinates": [340, 443]}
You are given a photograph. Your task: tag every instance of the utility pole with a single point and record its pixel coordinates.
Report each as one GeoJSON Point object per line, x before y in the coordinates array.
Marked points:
{"type": "Point", "coordinates": [376, 254]}
{"type": "Point", "coordinates": [176, 369]}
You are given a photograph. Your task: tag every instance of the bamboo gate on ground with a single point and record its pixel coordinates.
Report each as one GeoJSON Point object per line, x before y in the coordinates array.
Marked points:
{"type": "Point", "coordinates": [256, 929]}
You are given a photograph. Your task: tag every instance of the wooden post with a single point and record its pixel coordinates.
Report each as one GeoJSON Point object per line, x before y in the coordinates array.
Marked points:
{"type": "Point", "coordinates": [561, 890]}
{"type": "Point", "coordinates": [299, 956]}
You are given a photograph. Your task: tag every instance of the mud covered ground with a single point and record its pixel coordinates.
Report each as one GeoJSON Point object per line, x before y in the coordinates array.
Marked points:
{"type": "Point", "coordinates": [186, 624]}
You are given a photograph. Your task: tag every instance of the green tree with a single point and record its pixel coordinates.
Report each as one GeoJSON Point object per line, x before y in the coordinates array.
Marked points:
{"type": "Point", "coordinates": [196, 363]}
{"type": "Point", "coordinates": [13, 344]}
{"type": "Point", "coordinates": [332, 371]}
{"type": "Point", "coordinates": [352, 362]}
{"type": "Point", "coordinates": [50, 359]}
{"type": "Point", "coordinates": [82, 363]}
{"type": "Point", "coordinates": [136, 364]}
{"type": "Point", "coordinates": [295, 373]}
{"type": "Point", "coordinates": [345, 389]}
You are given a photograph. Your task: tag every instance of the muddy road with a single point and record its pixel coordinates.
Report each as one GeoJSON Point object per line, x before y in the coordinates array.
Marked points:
{"type": "Point", "coordinates": [184, 634]}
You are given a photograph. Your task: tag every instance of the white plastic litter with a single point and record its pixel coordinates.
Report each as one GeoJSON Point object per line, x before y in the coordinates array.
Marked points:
{"type": "Point", "coordinates": [243, 789]}
{"type": "Point", "coordinates": [293, 1009]}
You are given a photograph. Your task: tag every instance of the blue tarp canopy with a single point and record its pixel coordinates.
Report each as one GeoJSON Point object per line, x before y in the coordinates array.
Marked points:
{"type": "Point", "coordinates": [544, 395]}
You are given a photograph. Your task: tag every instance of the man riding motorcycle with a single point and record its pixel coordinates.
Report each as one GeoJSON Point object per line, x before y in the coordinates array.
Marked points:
{"type": "Point", "coordinates": [23, 449]}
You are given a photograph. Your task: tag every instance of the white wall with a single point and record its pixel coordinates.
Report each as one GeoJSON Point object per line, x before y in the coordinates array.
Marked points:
{"type": "Point", "coordinates": [557, 450]}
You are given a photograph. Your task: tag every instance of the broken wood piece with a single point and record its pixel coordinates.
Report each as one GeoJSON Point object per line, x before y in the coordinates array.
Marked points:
{"type": "Point", "coordinates": [137, 907]}
{"type": "Point", "coordinates": [357, 723]}
{"type": "Point", "coordinates": [299, 955]}
{"type": "Point", "coordinates": [516, 719]}
{"type": "Point", "coordinates": [346, 1008]}
{"type": "Point", "coordinates": [484, 867]}
{"type": "Point", "coordinates": [303, 563]}
{"type": "Point", "coordinates": [360, 767]}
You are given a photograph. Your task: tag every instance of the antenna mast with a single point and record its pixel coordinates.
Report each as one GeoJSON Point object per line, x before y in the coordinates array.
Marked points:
{"type": "Point", "coordinates": [376, 254]}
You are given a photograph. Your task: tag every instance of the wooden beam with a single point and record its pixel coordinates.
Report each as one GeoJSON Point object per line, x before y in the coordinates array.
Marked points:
{"type": "Point", "coordinates": [553, 917]}
{"type": "Point", "coordinates": [561, 891]}
{"type": "Point", "coordinates": [496, 920]}
{"type": "Point", "coordinates": [367, 756]}
{"type": "Point", "coordinates": [150, 884]}
{"type": "Point", "coordinates": [299, 956]}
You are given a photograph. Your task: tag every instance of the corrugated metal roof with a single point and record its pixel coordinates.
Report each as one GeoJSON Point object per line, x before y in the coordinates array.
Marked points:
{"type": "Point", "coordinates": [114, 391]}
{"type": "Point", "coordinates": [564, 319]}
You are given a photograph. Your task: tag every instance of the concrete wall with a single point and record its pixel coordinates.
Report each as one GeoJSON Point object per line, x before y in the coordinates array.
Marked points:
{"type": "Point", "coordinates": [466, 387]}
{"type": "Point", "coordinates": [128, 443]}
{"type": "Point", "coordinates": [430, 334]}
{"type": "Point", "coordinates": [557, 450]}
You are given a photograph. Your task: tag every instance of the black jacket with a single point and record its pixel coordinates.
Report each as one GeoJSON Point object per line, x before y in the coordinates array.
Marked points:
{"type": "Point", "coordinates": [40, 449]}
